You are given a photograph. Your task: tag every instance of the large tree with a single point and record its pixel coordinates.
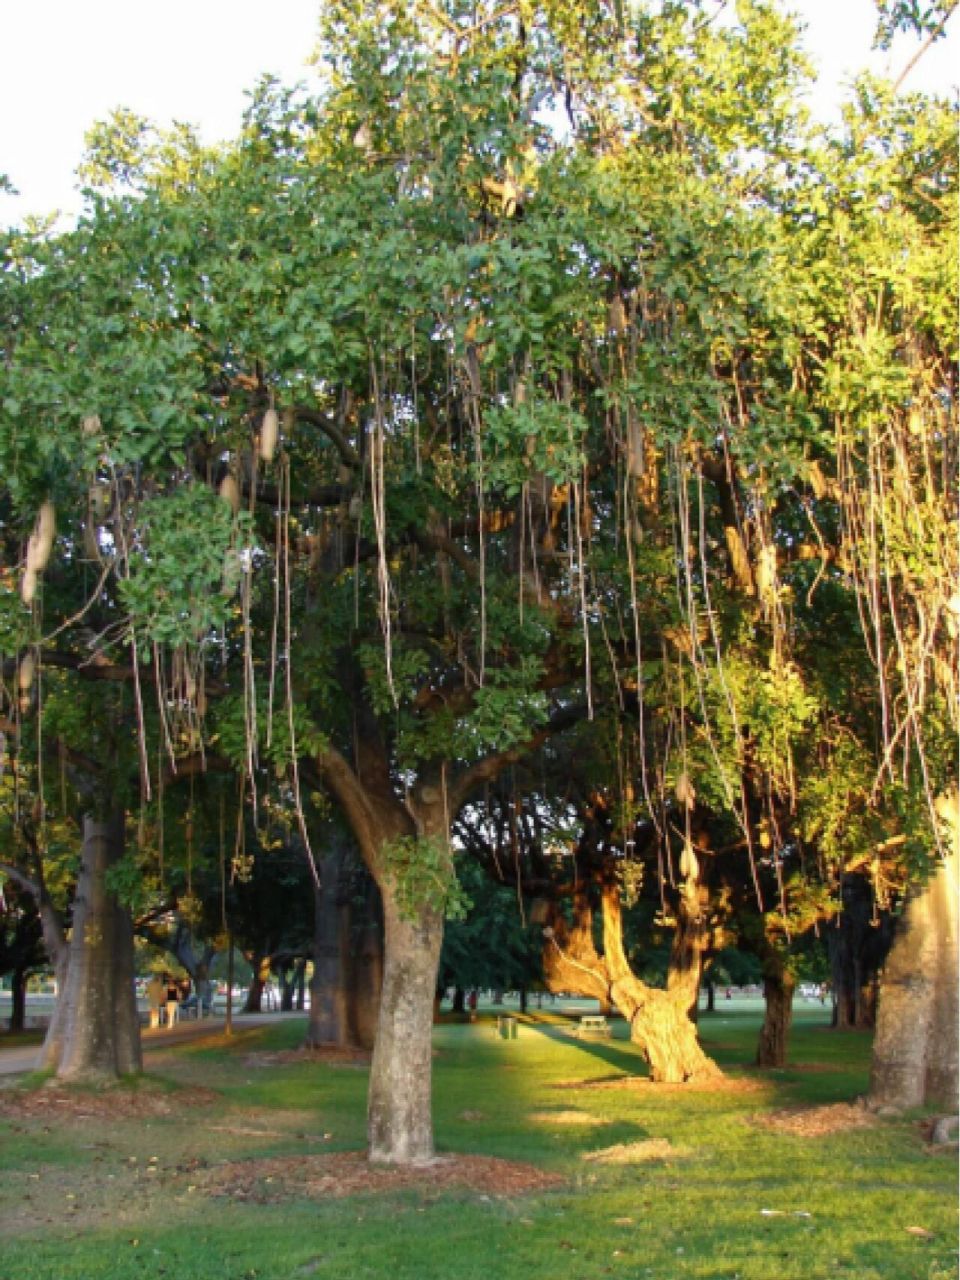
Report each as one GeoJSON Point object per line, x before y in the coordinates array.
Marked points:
{"type": "Point", "coordinates": [524, 371]}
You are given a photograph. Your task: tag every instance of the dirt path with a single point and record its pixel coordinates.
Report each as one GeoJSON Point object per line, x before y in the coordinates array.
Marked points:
{"type": "Point", "coordinates": [16, 1061]}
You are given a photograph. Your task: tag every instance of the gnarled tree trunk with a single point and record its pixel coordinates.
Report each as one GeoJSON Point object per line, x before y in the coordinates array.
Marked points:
{"type": "Point", "coordinates": [659, 1020]}
{"type": "Point", "coordinates": [96, 1034]}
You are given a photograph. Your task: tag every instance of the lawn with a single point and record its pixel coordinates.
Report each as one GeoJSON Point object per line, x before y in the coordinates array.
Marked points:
{"type": "Point", "coordinates": [222, 1175]}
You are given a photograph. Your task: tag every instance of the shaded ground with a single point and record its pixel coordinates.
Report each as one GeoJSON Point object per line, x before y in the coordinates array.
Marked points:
{"type": "Point", "coordinates": [329, 1055]}
{"type": "Point", "coordinates": [346, 1173]}
{"type": "Point", "coordinates": [55, 1103]}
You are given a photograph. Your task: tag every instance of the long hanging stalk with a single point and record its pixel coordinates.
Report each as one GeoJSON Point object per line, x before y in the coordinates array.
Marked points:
{"type": "Point", "coordinates": [288, 667]}
{"type": "Point", "coordinates": [378, 503]}
{"type": "Point", "coordinates": [282, 514]}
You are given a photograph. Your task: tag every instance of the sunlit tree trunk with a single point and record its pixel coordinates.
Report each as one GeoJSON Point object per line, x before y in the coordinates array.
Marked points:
{"type": "Point", "coordinates": [399, 1112]}
{"type": "Point", "coordinates": [659, 1020]}
{"type": "Point", "coordinates": [400, 1126]}
{"type": "Point", "coordinates": [915, 1051]}
{"type": "Point", "coordinates": [97, 1033]}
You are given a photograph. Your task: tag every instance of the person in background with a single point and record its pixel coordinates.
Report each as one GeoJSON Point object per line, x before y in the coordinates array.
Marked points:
{"type": "Point", "coordinates": [173, 1001]}
{"type": "Point", "coordinates": [156, 998]}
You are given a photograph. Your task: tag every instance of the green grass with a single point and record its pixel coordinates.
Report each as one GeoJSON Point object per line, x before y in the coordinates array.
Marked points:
{"type": "Point", "coordinates": [78, 1200]}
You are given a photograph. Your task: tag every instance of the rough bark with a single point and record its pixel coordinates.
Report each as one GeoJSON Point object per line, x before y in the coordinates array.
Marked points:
{"type": "Point", "coordinates": [97, 1035]}
{"type": "Point", "coordinates": [347, 967]}
{"type": "Point", "coordinates": [659, 1020]}
{"type": "Point", "coordinates": [778, 988]}
{"type": "Point", "coordinates": [915, 1052]}
{"type": "Point", "coordinates": [689, 939]}
{"type": "Point", "coordinates": [399, 1116]}
{"type": "Point", "coordinates": [399, 1121]}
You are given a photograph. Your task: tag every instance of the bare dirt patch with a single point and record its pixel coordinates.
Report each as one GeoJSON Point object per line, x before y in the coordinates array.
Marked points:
{"type": "Point", "coordinates": [347, 1173]}
{"type": "Point", "coordinates": [638, 1152]}
{"type": "Point", "coordinates": [815, 1122]}
{"type": "Point", "coordinates": [58, 1102]}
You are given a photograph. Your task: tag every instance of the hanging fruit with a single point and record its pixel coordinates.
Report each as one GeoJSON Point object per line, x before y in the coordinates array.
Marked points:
{"type": "Point", "coordinates": [230, 492]}
{"type": "Point", "coordinates": [269, 434]}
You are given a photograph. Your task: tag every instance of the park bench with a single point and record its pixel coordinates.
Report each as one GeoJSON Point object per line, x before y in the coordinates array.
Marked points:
{"type": "Point", "coordinates": [194, 1008]}
{"type": "Point", "coordinates": [592, 1024]}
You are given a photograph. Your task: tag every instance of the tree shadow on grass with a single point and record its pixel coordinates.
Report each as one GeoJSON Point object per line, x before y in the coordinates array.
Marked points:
{"type": "Point", "coordinates": [625, 1061]}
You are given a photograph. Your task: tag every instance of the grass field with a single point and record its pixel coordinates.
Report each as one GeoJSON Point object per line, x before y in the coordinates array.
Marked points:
{"type": "Point", "coordinates": [652, 1183]}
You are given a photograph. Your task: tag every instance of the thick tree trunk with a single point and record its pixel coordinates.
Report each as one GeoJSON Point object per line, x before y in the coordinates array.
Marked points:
{"type": "Point", "coordinates": [348, 953]}
{"type": "Point", "coordinates": [399, 1120]}
{"type": "Point", "coordinates": [778, 988]}
{"type": "Point", "coordinates": [97, 1035]}
{"type": "Point", "coordinates": [659, 1020]}
{"type": "Point", "coordinates": [661, 1025]}
{"type": "Point", "coordinates": [915, 1051]}
{"type": "Point", "coordinates": [858, 942]}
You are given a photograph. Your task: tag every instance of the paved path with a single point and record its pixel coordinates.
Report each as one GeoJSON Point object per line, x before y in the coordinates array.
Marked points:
{"type": "Point", "coordinates": [22, 1058]}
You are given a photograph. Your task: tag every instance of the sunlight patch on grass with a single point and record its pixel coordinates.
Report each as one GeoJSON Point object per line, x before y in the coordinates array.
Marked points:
{"type": "Point", "coordinates": [638, 1152]}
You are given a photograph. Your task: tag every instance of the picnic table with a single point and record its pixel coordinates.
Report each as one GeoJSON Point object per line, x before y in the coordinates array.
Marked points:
{"type": "Point", "coordinates": [592, 1024]}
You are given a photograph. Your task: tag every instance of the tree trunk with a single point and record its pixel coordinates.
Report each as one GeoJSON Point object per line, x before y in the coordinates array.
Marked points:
{"type": "Point", "coordinates": [778, 988]}
{"type": "Point", "coordinates": [858, 942]}
{"type": "Point", "coordinates": [291, 985]}
{"type": "Point", "coordinates": [328, 1023]}
{"type": "Point", "coordinates": [459, 1000]}
{"type": "Point", "coordinates": [659, 1020]}
{"type": "Point", "coordinates": [347, 968]}
{"type": "Point", "coordinates": [690, 937]}
{"type": "Point", "coordinates": [18, 997]}
{"type": "Point", "coordinates": [260, 964]}
{"type": "Point", "coordinates": [915, 1051]}
{"type": "Point", "coordinates": [711, 988]}
{"type": "Point", "coordinates": [399, 1120]}
{"type": "Point", "coordinates": [288, 978]}
{"type": "Point", "coordinates": [97, 1036]}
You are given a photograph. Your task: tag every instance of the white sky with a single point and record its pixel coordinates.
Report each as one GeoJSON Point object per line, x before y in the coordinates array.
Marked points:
{"type": "Point", "coordinates": [66, 63]}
